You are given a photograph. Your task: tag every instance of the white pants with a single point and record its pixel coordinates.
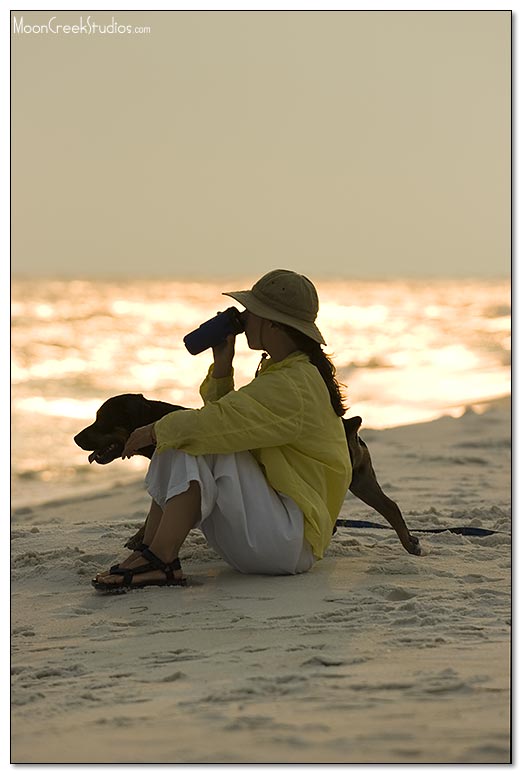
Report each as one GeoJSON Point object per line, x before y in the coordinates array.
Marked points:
{"type": "Point", "coordinates": [250, 525]}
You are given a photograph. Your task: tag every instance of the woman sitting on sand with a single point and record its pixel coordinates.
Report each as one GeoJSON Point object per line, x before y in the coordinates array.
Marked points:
{"type": "Point", "coordinates": [263, 470]}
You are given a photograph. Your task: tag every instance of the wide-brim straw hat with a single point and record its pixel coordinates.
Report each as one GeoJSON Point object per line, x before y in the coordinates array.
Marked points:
{"type": "Point", "coordinates": [286, 297]}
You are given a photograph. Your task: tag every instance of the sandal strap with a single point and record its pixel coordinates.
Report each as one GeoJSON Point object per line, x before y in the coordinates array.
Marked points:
{"type": "Point", "coordinates": [159, 564]}
{"type": "Point", "coordinates": [116, 569]}
{"type": "Point", "coordinates": [127, 574]}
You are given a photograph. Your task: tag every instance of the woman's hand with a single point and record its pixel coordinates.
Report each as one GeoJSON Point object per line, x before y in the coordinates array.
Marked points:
{"type": "Point", "coordinates": [142, 436]}
{"type": "Point", "coordinates": [223, 357]}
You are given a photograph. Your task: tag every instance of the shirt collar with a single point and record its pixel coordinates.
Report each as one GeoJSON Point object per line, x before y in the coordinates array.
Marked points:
{"type": "Point", "coordinates": [272, 365]}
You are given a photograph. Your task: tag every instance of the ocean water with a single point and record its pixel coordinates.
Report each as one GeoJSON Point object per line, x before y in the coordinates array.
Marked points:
{"type": "Point", "coordinates": [408, 351]}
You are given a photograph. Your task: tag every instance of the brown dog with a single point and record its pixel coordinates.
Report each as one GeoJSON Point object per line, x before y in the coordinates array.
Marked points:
{"type": "Point", "coordinates": [120, 415]}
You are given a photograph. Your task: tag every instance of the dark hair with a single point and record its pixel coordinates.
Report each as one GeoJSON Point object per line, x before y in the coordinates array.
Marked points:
{"type": "Point", "coordinates": [322, 362]}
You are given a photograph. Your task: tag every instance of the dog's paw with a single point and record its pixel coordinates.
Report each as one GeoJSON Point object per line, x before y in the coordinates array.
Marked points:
{"type": "Point", "coordinates": [411, 544]}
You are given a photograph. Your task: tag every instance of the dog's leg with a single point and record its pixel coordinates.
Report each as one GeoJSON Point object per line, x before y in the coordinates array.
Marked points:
{"type": "Point", "coordinates": [366, 487]}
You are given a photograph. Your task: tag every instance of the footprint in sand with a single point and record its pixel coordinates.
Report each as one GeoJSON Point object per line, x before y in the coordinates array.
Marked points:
{"type": "Point", "coordinates": [399, 594]}
{"type": "Point", "coordinates": [24, 631]}
{"type": "Point", "coordinates": [181, 654]}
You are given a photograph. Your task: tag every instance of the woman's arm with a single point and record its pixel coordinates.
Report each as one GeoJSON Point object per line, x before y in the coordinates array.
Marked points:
{"type": "Point", "coordinates": [223, 357]}
{"type": "Point", "coordinates": [266, 412]}
{"type": "Point", "coordinates": [220, 378]}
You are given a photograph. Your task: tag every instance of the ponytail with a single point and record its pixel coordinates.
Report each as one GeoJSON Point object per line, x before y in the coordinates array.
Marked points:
{"type": "Point", "coordinates": [322, 362]}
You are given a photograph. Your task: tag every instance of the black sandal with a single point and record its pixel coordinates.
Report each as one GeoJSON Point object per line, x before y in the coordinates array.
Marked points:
{"type": "Point", "coordinates": [117, 569]}
{"type": "Point", "coordinates": [154, 563]}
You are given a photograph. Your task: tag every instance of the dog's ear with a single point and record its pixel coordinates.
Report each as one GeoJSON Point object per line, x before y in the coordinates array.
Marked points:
{"type": "Point", "coordinates": [352, 424]}
{"type": "Point", "coordinates": [141, 412]}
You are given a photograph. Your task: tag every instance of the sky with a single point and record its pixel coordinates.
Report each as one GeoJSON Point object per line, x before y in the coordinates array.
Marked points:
{"type": "Point", "coordinates": [219, 143]}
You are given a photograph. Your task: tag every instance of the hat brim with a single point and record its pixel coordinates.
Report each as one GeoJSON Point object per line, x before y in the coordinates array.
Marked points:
{"type": "Point", "coordinates": [250, 302]}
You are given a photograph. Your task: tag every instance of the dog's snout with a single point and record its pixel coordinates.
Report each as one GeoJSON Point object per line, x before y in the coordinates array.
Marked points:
{"type": "Point", "coordinates": [78, 439]}
{"type": "Point", "coordinates": [82, 439]}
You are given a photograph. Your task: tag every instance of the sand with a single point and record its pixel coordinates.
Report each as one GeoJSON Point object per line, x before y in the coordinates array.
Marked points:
{"type": "Point", "coordinates": [375, 656]}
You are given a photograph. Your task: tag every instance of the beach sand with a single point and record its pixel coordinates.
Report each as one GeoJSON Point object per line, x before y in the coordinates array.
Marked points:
{"type": "Point", "coordinates": [375, 656]}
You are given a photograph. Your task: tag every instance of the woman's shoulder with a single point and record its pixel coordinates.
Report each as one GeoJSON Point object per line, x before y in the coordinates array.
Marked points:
{"type": "Point", "coordinates": [294, 360]}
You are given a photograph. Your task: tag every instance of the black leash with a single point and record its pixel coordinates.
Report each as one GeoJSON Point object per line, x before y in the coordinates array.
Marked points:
{"type": "Point", "coordinates": [473, 531]}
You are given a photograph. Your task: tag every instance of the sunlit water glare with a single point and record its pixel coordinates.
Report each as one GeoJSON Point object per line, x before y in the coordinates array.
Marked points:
{"type": "Point", "coordinates": [408, 351]}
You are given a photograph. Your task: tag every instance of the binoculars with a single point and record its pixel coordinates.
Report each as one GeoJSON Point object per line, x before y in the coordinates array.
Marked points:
{"type": "Point", "coordinates": [214, 331]}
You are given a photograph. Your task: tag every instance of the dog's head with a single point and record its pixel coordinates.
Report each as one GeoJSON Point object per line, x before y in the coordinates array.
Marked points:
{"type": "Point", "coordinates": [115, 421]}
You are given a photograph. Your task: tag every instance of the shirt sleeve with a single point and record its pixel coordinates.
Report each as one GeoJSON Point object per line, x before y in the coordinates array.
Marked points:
{"type": "Point", "coordinates": [212, 389]}
{"type": "Point", "coordinates": [267, 412]}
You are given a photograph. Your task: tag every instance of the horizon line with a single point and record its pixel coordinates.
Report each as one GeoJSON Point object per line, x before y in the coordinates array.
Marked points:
{"type": "Point", "coordinates": [330, 276]}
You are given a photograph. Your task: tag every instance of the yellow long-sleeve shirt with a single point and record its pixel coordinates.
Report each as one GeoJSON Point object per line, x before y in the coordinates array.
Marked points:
{"type": "Point", "coordinates": [285, 418]}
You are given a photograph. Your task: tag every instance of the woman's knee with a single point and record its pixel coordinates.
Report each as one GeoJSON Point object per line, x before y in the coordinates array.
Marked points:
{"type": "Point", "coordinates": [191, 495]}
